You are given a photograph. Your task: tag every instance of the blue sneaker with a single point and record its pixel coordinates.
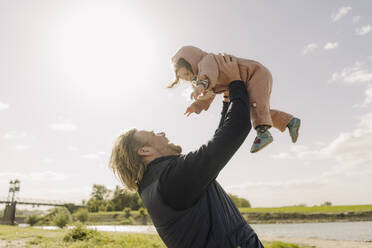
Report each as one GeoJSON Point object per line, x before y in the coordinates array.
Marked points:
{"type": "Point", "coordinates": [293, 127]}
{"type": "Point", "coordinates": [262, 140]}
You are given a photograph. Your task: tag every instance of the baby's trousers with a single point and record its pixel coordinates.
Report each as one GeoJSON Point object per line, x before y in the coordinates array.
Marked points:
{"type": "Point", "coordinates": [259, 90]}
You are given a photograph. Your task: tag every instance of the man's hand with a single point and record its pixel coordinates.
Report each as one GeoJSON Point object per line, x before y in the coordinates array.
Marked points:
{"type": "Point", "coordinates": [229, 69]}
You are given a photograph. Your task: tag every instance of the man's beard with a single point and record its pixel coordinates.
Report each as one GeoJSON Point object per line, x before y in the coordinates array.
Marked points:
{"type": "Point", "coordinates": [174, 149]}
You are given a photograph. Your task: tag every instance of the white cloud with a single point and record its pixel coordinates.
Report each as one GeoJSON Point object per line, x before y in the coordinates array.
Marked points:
{"type": "Point", "coordinates": [34, 176]}
{"type": "Point", "coordinates": [309, 48]}
{"type": "Point", "coordinates": [354, 74]}
{"type": "Point", "coordinates": [282, 155]}
{"type": "Point", "coordinates": [63, 126]}
{"type": "Point", "coordinates": [73, 195]}
{"type": "Point", "coordinates": [365, 121]}
{"type": "Point", "coordinates": [14, 135]}
{"type": "Point", "coordinates": [330, 46]}
{"type": "Point", "coordinates": [47, 160]}
{"type": "Point", "coordinates": [299, 148]}
{"type": "Point", "coordinates": [363, 30]}
{"type": "Point", "coordinates": [103, 153]}
{"type": "Point", "coordinates": [93, 156]}
{"type": "Point", "coordinates": [368, 99]}
{"type": "Point", "coordinates": [47, 175]}
{"type": "Point", "coordinates": [3, 106]}
{"type": "Point", "coordinates": [343, 11]}
{"type": "Point", "coordinates": [356, 19]}
{"type": "Point", "coordinates": [351, 160]}
{"type": "Point", "coordinates": [353, 148]}
{"type": "Point", "coordinates": [22, 147]}
{"type": "Point", "coordinates": [72, 148]}
{"type": "Point", "coordinates": [101, 156]}
{"type": "Point", "coordinates": [337, 186]}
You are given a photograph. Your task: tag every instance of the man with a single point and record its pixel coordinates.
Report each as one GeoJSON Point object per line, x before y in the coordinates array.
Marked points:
{"type": "Point", "coordinates": [187, 205]}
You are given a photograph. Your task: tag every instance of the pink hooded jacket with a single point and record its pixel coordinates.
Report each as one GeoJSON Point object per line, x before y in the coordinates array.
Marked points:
{"type": "Point", "coordinates": [256, 76]}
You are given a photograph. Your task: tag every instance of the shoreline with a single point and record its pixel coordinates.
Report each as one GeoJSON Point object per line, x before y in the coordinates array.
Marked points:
{"type": "Point", "coordinates": [320, 243]}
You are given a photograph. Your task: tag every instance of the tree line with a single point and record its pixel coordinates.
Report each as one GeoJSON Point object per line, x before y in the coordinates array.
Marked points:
{"type": "Point", "coordinates": [104, 199]}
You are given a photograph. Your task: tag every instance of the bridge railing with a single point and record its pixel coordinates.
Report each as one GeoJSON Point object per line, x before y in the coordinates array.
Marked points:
{"type": "Point", "coordinates": [38, 201]}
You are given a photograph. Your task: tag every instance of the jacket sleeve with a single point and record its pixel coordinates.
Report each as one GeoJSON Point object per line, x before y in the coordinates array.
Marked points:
{"type": "Point", "coordinates": [208, 67]}
{"type": "Point", "coordinates": [185, 180]}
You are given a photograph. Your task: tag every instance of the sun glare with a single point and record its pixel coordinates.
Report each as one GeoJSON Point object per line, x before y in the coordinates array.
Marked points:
{"type": "Point", "coordinates": [101, 49]}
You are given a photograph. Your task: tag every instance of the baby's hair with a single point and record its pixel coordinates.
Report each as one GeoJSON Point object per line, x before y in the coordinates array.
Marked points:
{"type": "Point", "coordinates": [181, 63]}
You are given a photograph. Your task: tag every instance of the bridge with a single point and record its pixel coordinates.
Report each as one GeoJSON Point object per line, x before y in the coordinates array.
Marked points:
{"type": "Point", "coordinates": [13, 200]}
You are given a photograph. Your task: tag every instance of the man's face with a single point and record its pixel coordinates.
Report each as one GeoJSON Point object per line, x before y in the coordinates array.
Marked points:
{"type": "Point", "coordinates": [159, 142]}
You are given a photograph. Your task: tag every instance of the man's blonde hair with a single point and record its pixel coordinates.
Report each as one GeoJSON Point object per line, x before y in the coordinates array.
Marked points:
{"type": "Point", "coordinates": [125, 160]}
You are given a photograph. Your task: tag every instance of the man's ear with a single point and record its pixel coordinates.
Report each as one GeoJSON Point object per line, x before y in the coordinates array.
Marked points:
{"type": "Point", "coordinates": [146, 151]}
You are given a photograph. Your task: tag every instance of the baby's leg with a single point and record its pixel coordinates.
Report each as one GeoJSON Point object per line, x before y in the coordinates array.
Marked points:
{"type": "Point", "coordinates": [280, 119]}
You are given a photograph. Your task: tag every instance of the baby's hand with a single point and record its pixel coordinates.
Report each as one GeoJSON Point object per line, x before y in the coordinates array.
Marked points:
{"type": "Point", "coordinates": [197, 92]}
{"type": "Point", "coordinates": [193, 108]}
{"type": "Point", "coordinates": [206, 95]}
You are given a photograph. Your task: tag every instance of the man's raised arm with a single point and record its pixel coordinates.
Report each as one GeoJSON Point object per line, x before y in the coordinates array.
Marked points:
{"type": "Point", "coordinates": [184, 181]}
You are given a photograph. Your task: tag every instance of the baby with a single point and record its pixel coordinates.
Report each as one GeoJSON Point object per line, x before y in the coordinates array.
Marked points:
{"type": "Point", "coordinates": [201, 68]}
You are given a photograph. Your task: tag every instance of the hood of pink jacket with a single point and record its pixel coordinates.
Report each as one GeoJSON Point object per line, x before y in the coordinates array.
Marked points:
{"type": "Point", "coordinates": [191, 54]}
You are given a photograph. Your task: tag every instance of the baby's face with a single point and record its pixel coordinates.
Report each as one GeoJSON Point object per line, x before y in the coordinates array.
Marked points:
{"type": "Point", "coordinates": [185, 74]}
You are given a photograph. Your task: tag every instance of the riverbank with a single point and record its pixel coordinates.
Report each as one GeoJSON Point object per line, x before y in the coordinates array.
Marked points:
{"type": "Point", "coordinates": [117, 218]}
{"type": "Point", "coordinates": [321, 243]}
{"type": "Point", "coordinates": [290, 214]}
{"type": "Point", "coordinates": [288, 217]}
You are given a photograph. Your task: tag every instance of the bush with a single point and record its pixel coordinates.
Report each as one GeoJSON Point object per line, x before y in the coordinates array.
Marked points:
{"type": "Point", "coordinates": [143, 215]}
{"type": "Point", "coordinates": [142, 212]}
{"type": "Point", "coordinates": [127, 212]}
{"type": "Point", "coordinates": [80, 233]}
{"type": "Point", "coordinates": [32, 219]}
{"type": "Point", "coordinates": [240, 202]}
{"type": "Point", "coordinates": [127, 221]}
{"type": "Point", "coordinates": [61, 220]}
{"type": "Point", "coordinates": [50, 218]}
{"type": "Point", "coordinates": [327, 203]}
{"type": "Point", "coordinates": [82, 215]}
{"type": "Point", "coordinates": [110, 207]}
{"type": "Point", "coordinates": [244, 203]}
{"type": "Point", "coordinates": [36, 241]}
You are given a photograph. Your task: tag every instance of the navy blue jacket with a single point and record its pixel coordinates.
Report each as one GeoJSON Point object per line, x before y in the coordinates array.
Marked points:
{"type": "Point", "coordinates": [187, 205]}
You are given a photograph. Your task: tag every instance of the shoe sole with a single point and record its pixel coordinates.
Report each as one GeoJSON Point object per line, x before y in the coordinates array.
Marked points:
{"type": "Point", "coordinates": [298, 128]}
{"type": "Point", "coordinates": [263, 146]}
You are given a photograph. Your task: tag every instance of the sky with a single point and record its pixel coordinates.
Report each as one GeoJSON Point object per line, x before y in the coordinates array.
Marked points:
{"type": "Point", "coordinates": [76, 74]}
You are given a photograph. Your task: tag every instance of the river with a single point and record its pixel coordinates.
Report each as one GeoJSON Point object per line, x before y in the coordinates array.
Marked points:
{"type": "Point", "coordinates": [358, 231]}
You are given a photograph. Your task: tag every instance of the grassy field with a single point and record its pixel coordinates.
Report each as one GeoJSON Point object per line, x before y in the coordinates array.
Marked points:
{"type": "Point", "coordinates": [313, 209]}
{"type": "Point", "coordinates": [33, 237]}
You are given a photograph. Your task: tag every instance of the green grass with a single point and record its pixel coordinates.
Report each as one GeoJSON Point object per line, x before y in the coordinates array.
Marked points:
{"type": "Point", "coordinates": [34, 237]}
{"type": "Point", "coordinates": [15, 233]}
{"type": "Point", "coordinates": [133, 212]}
{"type": "Point", "coordinates": [314, 209]}
{"type": "Point", "coordinates": [278, 244]}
